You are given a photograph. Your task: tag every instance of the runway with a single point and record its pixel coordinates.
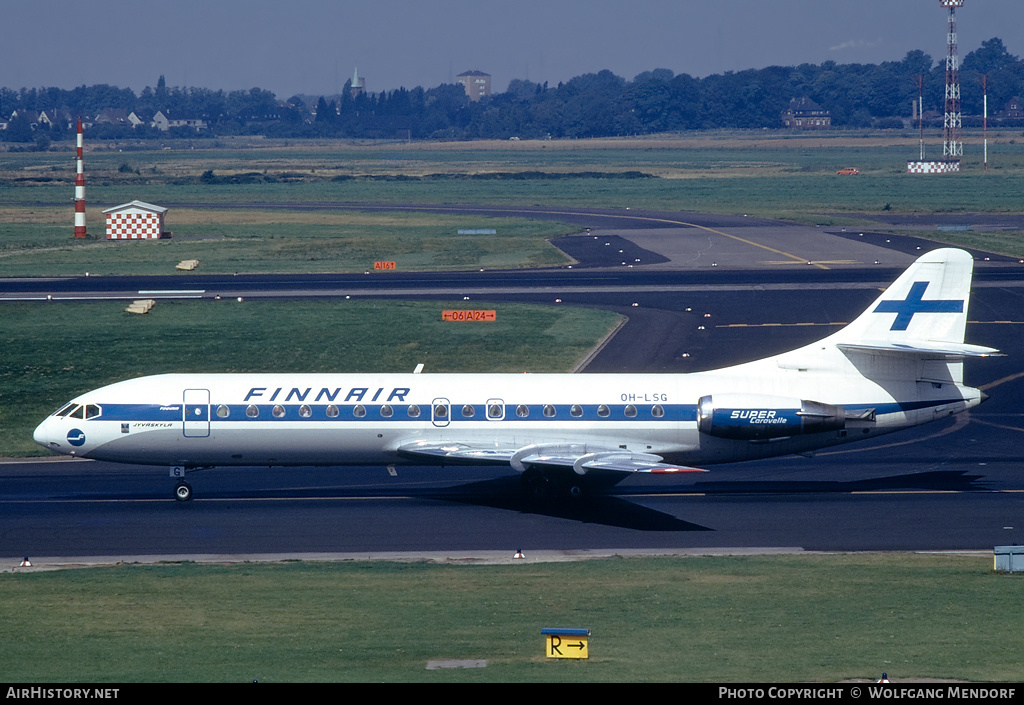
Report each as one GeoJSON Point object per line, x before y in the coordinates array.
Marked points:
{"type": "Point", "coordinates": [701, 300]}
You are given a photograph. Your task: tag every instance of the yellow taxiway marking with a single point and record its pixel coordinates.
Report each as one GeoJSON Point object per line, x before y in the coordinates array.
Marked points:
{"type": "Point", "coordinates": [819, 262]}
{"type": "Point", "coordinates": [1002, 380]}
{"type": "Point", "coordinates": [906, 492]}
{"type": "Point", "coordinates": [841, 323]}
{"type": "Point", "coordinates": [791, 258]}
{"type": "Point", "coordinates": [774, 325]}
{"type": "Point", "coordinates": [998, 425]}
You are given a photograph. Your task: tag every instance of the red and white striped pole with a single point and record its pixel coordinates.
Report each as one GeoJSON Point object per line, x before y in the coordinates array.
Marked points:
{"type": "Point", "coordinates": [79, 190]}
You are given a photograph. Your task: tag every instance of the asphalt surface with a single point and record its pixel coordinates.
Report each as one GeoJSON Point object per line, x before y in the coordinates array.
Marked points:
{"type": "Point", "coordinates": [707, 291]}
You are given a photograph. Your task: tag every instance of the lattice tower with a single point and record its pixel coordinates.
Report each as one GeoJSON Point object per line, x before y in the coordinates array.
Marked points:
{"type": "Point", "coordinates": [952, 147]}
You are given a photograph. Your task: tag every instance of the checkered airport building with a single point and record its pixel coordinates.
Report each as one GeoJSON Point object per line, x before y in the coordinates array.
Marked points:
{"type": "Point", "coordinates": [135, 221]}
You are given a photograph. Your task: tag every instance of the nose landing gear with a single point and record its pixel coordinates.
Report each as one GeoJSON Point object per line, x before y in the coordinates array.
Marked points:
{"type": "Point", "coordinates": [183, 491]}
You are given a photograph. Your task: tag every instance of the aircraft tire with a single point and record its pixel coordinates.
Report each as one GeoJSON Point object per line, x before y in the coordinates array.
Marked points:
{"type": "Point", "coordinates": [183, 492]}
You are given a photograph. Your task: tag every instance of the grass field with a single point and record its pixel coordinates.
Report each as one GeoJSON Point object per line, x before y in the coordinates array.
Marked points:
{"type": "Point", "coordinates": [74, 347]}
{"type": "Point", "coordinates": [713, 619]}
{"type": "Point", "coordinates": [769, 174]}
{"type": "Point", "coordinates": [34, 242]}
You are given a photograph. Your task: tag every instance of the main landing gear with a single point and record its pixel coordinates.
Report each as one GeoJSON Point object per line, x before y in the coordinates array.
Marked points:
{"type": "Point", "coordinates": [561, 484]}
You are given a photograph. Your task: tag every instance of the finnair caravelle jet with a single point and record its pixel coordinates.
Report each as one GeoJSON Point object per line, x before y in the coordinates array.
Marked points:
{"type": "Point", "coordinates": [899, 364]}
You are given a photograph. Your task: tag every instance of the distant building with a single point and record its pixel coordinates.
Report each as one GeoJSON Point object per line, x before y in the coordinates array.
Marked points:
{"type": "Point", "coordinates": [1014, 109]}
{"type": "Point", "coordinates": [31, 115]}
{"type": "Point", "coordinates": [476, 83]}
{"type": "Point", "coordinates": [136, 120]}
{"type": "Point", "coordinates": [163, 122]}
{"type": "Point", "coordinates": [55, 118]}
{"type": "Point", "coordinates": [358, 85]}
{"type": "Point", "coordinates": [805, 114]}
{"type": "Point", "coordinates": [113, 116]}
{"type": "Point", "coordinates": [135, 221]}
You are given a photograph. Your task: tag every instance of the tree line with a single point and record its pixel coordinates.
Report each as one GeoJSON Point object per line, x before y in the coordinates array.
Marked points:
{"type": "Point", "coordinates": [592, 105]}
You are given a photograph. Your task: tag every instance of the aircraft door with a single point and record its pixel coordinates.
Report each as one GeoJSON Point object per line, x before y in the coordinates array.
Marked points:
{"type": "Point", "coordinates": [440, 411]}
{"type": "Point", "coordinates": [196, 413]}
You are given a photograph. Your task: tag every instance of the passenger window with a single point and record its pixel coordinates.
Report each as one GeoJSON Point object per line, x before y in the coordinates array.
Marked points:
{"type": "Point", "coordinates": [359, 411]}
{"type": "Point", "coordinates": [522, 411]}
{"type": "Point", "coordinates": [576, 411]}
{"type": "Point", "coordinates": [332, 411]}
{"type": "Point", "coordinates": [657, 411]}
{"type": "Point", "coordinates": [603, 411]}
{"type": "Point", "coordinates": [252, 411]}
{"type": "Point", "coordinates": [440, 411]}
{"type": "Point", "coordinates": [305, 412]}
{"type": "Point", "coordinates": [278, 412]}
{"type": "Point", "coordinates": [494, 411]}
{"type": "Point", "coordinates": [413, 411]}
{"type": "Point", "coordinates": [630, 411]}
{"type": "Point", "coordinates": [549, 410]}
{"type": "Point", "coordinates": [468, 411]}
{"type": "Point", "coordinates": [386, 411]}
{"type": "Point", "coordinates": [223, 411]}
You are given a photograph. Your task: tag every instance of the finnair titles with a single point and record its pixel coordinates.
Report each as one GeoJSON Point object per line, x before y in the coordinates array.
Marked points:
{"type": "Point", "coordinates": [899, 364]}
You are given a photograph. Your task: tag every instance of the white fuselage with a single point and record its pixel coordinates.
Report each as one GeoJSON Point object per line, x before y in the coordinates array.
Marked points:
{"type": "Point", "coordinates": [338, 419]}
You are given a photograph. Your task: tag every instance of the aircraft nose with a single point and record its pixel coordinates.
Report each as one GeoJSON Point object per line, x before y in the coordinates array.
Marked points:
{"type": "Point", "coordinates": [42, 435]}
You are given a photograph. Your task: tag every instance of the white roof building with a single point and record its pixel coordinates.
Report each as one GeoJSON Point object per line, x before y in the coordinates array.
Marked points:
{"type": "Point", "coordinates": [135, 220]}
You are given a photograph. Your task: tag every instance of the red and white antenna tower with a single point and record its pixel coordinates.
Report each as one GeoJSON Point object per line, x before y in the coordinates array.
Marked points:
{"type": "Point", "coordinates": [79, 189]}
{"type": "Point", "coordinates": [952, 147]}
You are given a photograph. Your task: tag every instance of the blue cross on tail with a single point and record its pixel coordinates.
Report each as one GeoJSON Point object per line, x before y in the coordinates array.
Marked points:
{"type": "Point", "coordinates": [906, 308]}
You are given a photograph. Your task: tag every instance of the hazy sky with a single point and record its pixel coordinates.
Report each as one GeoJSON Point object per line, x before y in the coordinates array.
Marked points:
{"type": "Point", "coordinates": [312, 46]}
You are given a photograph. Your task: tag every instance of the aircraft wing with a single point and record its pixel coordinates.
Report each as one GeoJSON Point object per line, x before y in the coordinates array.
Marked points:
{"type": "Point", "coordinates": [581, 458]}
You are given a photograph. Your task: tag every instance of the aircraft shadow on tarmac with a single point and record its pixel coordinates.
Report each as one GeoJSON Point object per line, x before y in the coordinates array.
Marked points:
{"type": "Point", "coordinates": [933, 481]}
{"type": "Point", "coordinates": [614, 509]}
{"type": "Point", "coordinates": [604, 509]}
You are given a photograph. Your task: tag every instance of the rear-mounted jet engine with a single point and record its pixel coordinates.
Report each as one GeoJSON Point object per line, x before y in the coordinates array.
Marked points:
{"type": "Point", "coordinates": [752, 417]}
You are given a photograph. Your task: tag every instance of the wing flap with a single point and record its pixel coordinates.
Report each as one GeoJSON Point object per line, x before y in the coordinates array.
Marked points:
{"type": "Point", "coordinates": [455, 452]}
{"type": "Point", "coordinates": [581, 458]}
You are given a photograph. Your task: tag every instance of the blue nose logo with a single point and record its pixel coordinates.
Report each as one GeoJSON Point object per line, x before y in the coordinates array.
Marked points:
{"type": "Point", "coordinates": [76, 437]}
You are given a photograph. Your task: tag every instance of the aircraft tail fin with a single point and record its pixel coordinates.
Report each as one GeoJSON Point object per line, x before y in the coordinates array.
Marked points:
{"type": "Point", "coordinates": [924, 312]}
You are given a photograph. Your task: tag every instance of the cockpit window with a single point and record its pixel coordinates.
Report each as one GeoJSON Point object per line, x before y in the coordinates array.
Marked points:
{"type": "Point", "coordinates": [78, 413]}
{"type": "Point", "coordinates": [63, 411]}
{"type": "Point", "coordinates": [92, 411]}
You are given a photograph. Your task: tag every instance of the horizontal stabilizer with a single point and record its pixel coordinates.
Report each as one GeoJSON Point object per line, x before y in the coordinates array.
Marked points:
{"type": "Point", "coordinates": [925, 348]}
